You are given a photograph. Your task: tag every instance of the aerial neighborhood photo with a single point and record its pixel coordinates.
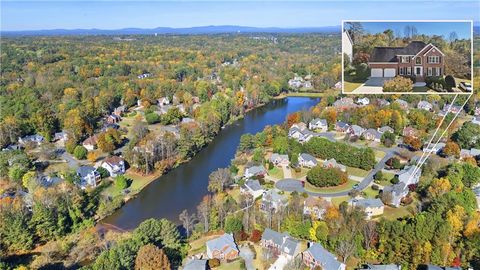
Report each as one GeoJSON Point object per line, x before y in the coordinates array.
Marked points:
{"type": "Point", "coordinates": [225, 135]}
{"type": "Point", "coordinates": [407, 57]}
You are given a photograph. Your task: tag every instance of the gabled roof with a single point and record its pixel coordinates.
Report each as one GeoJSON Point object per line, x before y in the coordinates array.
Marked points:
{"type": "Point", "coordinates": [286, 243]}
{"type": "Point", "coordinates": [366, 203]}
{"type": "Point", "coordinates": [85, 170]}
{"type": "Point", "coordinates": [383, 267]}
{"type": "Point", "coordinates": [196, 265]}
{"type": "Point", "coordinates": [318, 121]}
{"type": "Point", "coordinates": [113, 160]}
{"type": "Point", "coordinates": [224, 243]}
{"type": "Point", "coordinates": [389, 54]}
{"type": "Point", "coordinates": [253, 185]}
{"type": "Point", "coordinates": [308, 157]}
{"type": "Point", "coordinates": [256, 170]}
{"type": "Point", "coordinates": [326, 259]}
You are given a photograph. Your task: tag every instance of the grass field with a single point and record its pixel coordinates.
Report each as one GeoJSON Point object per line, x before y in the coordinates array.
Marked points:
{"type": "Point", "coordinates": [276, 173]}
{"type": "Point", "coordinates": [298, 175]}
{"type": "Point", "coordinates": [347, 186]}
{"type": "Point", "coordinates": [379, 155]}
{"type": "Point", "coordinates": [338, 200]}
{"type": "Point", "coordinates": [370, 193]}
{"type": "Point", "coordinates": [357, 172]}
{"type": "Point", "coordinates": [350, 86]}
{"type": "Point", "coordinates": [392, 213]}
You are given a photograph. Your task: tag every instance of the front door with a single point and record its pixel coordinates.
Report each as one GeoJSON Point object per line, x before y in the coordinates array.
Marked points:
{"type": "Point", "coordinates": [419, 73]}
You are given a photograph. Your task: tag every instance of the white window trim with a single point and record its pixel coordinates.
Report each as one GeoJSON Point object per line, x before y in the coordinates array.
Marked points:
{"type": "Point", "coordinates": [429, 71]}
{"type": "Point", "coordinates": [420, 58]}
{"type": "Point", "coordinates": [409, 71]}
{"type": "Point", "coordinates": [401, 71]}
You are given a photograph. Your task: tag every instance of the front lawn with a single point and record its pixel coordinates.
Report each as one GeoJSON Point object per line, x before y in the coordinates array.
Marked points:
{"type": "Point", "coordinates": [345, 187]}
{"type": "Point", "coordinates": [297, 175]}
{"type": "Point", "coordinates": [338, 200]}
{"type": "Point", "coordinates": [379, 155]}
{"type": "Point", "coordinates": [350, 86]}
{"type": "Point", "coordinates": [357, 172]}
{"type": "Point", "coordinates": [370, 193]}
{"type": "Point", "coordinates": [237, 264]}
{"type": "Point", "coordinates": [276, 173]}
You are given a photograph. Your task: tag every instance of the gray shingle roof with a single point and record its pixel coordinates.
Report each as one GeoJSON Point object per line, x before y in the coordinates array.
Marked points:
{"type": "Point", "coordinates": [286, 243]}
{"type": "Point", "coordinates": [196, 265]}
{"type": "Point", "coordinates": [219, 243]}
{"type": "Point", "coordinates": [253, 185]}
{"type": "Point", "coordinates": [383, 267]}
{"type": "Point", "coordinates": [308, 157]}
{"type": "Point", "coordinates": [85, 170]}
{"type": "Point", "coordinates": [388, 54]}
{"type": "Point", "coordinates": [366, 203]}
{"type": "Point", "coordinates": [326, 259]}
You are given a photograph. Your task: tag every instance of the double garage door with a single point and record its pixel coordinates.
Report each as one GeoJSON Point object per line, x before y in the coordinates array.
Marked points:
{"type": "Point", "coordinates": [383, 72]}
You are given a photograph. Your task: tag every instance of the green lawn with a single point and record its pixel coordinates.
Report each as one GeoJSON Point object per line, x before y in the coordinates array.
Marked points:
{"type": "Point", "coordinates": [297, 175]}
{"type": "Point", "coordinates": [276, 173]}
{"type": "Point", "coordinates": [392, 213]}
{"type": "Point", "coordinates": [421, 89]}
{"type": "Point", "coordinates": [379, 154]}
{"type": "Point", "coordinates": [338, 200]}
{"type": "Point", "coordinates": [357, 172]}
{"type": "Point", "coordinates": [370, 193]}
{"type": "Point", "coordinates": [347, 186]}
{"type": "Point", "coordinates": [350, 86]}
{"type": "Point", "coordinates": [237, 264]}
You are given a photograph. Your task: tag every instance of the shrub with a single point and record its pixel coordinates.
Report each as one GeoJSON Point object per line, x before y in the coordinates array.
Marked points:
{"type": "Point", "coordinates": [436, 83]}
{"type": "Point", "coordinates": [80, 152]}
{"type": "Point", "coordinates": [394, 180]}
{"type": "Point", "coordinates": [378, 176]}
{"type": "Point", "coordinates": [326, 177]}
{"type": "Point", "coordinates": [70, 146]}
{"type": "Point", "coordinates": [398, 84]}
{"type": "Point", "coordinates": [212, 263]}
{"type": "Point", "coordinates": [375, 187]}
{"type": "Point", "coordinates": [121, 182]}
{"type": "Point", "coordinates": [362, 71]}
{"type": "Point", "coordinates": [450, 82]}
{"type": "Point", "coordinates": [411, 77]}
{"type": "Point", "coordinates": [152, 118]}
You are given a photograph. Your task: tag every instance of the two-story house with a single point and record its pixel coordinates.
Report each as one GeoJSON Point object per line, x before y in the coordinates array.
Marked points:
{"type": "Point", "coordinates": [280, 243]}
{"type": "Point", "coordinates": [416, 59]}
{"type": "Point", "coordinates": [222, 248]}
{"type": "Point", "coordinates": [114, 165]}
{"type": "Point", "coordinates": [88, 176]}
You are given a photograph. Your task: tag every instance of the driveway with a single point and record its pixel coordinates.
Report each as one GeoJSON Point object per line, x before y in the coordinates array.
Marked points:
{"type": "Point", "coordinates": [287, 171]}
{"type": "Point", "coordinates": [247, 254]}
{"type": "Point", "coordinates": [280, 263]}
{"type": "Point", "coordinates": [374, 85]}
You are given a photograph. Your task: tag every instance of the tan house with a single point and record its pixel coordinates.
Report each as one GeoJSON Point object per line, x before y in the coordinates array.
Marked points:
{"type": "Point", "coordinates": [417, 59]}
{"type": "Point", "coordinates": [222, 248]}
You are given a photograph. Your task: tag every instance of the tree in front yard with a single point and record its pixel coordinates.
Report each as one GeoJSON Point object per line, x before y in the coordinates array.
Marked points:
{"type": "Point", "coordinates": [451, 149]}
{"type": "Point", "coordinates": [388, 139]}
{"type": "Point", "coordinates": [80, 152]}
{"type": "Point", "coordinates": [233, 225]}
{"type": "Point", "coordinates": [326, 177]}
{"type": "Point", "coordinates": [398, 84]}
{"type": "Point", "coordinates": [121, 182]}
{"type": "Point", "coordinates": [150, 257]}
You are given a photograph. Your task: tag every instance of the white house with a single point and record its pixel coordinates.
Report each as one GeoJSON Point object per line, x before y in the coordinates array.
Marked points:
{"type": "Point", "coordinates": [425, 105]}
{"type": "Point", "coordinates": [34, 139]}
{"type": "Point", "coordinates": [347, 45]}
{"type": "Point", "coordinates": [401, 189]}
{"type": "Point", "coordinates": [371, 207]}
{"type": "Point", "coordinates": [114, 165]}
{"type": "Point", "coordinates": [307, 160]}
{"type": "Point", "coordinates": [273, 200]}
{"type": "Point", "coordinates": [318, 123]}
{"type": "Point", "coordinates": [255, 171]}
{"type": "Point", "coordinates": [88, 176]}
{"type": "Point", "coordinates": [363, 101]}
{"type": "Point", "coordinates": [90, 143]}
{"type": "Point", "coordinates": [476, 120]}
{"type": "Point", "coordinates": [278, 159]}
{"type": "Point", "coordinates": [163, 101]}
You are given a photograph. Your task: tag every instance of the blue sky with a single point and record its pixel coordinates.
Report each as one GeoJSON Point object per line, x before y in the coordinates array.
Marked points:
{"type": "Point", "coordinates": [463, 29]}
{"type": "Point", "coordinates": [36, 15]}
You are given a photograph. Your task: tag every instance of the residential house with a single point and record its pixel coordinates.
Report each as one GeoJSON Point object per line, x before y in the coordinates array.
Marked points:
{"type": "Point", "coordinates": [278, 159]}
{"type": "Point", "coordinates": [222, 248]}
{"type": "Point", "coordinates": [301, 126]}
{"type": "Point", "coordinates": [464, 153]}
{"type": "Point", "coordinates": [144, 75]}
{"type": "Point", "coordinates": [318, 123]}
{"type": "Point", "coordinates": [280, 244]}
{"type": "Point", "coordinates": [295, 133]}
{"type": "Point", "coordinates": [363, 101]}
{"type": "Point", "coordinates": [382, 102]}
{"type": "Point", "coordinates": [60, 136]}
{"type": "Point", "coordinates": [410, 132]}
{"type": "Point", "coordinates": [449, 108]}
{"type": "Point", "coordinates": [401, 189]}
{"type": "Point", "coordinates": [314, 206]}
{"type": "Point", "coordinates": [12, 147]}
{"type": "Point", "coordinates": [425, 105]}
{"type": "Point", "coordinates": [317, 256]}
{"type": "Point", "coordinates": [371, 207]}
{"type": "Point", "coordinates": [88, 176]}
{"type": "Point", "coordinates": [273, 200]}
{"type": "Point", "coordinates": [435, 267]}
{"type": "Point", "coordinates": [187, 120]}
{"type": "Point", "coordinates": [113, 119]}
{"type": "Point", "coordinates": [119, 110]}
{"type": "Point", "coordinates": [48, 181]}
{"type": "Point", "coordinates": [253, 188]}
{"type": "Point", "coordinates": [196, 264]}
{"type": "Point", "coordinates": [338, 85]}
{"type": "Point", "coordinates": [31, 139]}
{"type": "Point", "coordinates": [434, 148]}
{"type": "Point", "coordinates": [477, 111]}
{"type": "Point", "coordinates": [417, 59]}
{"type": "Point", "coordinates": [372, 135]}
{"type": "Point", "coordinates": [347, 46]}
{"type": "Point", "coordinates": [163, 101]}
{"type": "Point", "coordinates": [476, 120]}
{"type": "Point", "coordinates": [115, 165]}
{"type": "Point", "coordinates": [386, 129]}
{"type": "Point", "coordinates": [255, 171]}
{"type": "Point", "coordinates": [90, 143]}
{"type": "Point", "coordinates": [307, 160]}
{"type": "Point", "coordinates": [344, 104]}
{"type": "Point", "coordinates": [355, 130]}
{"type": "Point", "coordinates": [381, 267]}
{"type": "Point", "coordinates": [402, 104]}
{"type": "Point", "coordinates": [341, 127]}
{"type": "Point", "coordinates": [332, 163]}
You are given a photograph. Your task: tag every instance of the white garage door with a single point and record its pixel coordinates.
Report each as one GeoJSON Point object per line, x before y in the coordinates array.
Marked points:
{"type": "Point", "coordinates": [377, 72]}
{"type": "Point", "coordinates": [389, 72]}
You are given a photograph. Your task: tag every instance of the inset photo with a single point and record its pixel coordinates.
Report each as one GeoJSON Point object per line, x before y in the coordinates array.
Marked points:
{"type": "Point", "coordinates": [407, 57]}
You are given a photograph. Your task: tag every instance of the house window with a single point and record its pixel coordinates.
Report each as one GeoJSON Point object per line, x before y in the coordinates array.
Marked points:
{"type": "Point", "coordinates": [418, 60]}
{"type": "Point", "coordinates": [405, 59]}
{"type": "Point", "coordinates": [401, 71]}
{"type": "Point", "coordinates": [433, 59]}
{"type": "Point", "coordinates": [409, 71]}
{"type": "Point", "coordinates": [429, 71]}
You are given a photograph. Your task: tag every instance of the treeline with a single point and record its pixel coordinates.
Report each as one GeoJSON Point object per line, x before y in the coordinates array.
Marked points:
{"type": "Point", "coordinates": [71, 83]}
{"type": "Point", "coordinates": [363, 158]}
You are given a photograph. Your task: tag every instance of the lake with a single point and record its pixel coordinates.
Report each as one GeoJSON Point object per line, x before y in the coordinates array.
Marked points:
{"type": "Point", "coordinates": [184, 187]}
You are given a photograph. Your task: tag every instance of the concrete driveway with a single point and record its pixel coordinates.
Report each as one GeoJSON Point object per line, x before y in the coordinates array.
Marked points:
{"type": "Point", "coordinates": [374, 85]}
{"type": "Point", "coordinates": [280, 263]}
{"type": "Point", "coordinates": [247, 254]}
{"type": "Point", "coordinates": [287, 171]}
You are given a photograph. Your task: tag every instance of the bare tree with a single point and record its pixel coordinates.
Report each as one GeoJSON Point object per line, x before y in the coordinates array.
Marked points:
{"type": "Point", "coordinates": [203, 212]}
{"type": "Point", "coordinates": [346, 248]}
{"type": "Point", "coordinates": [452, 36]}
{"type": "Point", "coordinates": [369, 233]}
{"type": "Point", "coordinates": [187, 221]}
{"type": "Point", "coordinates": [219, 179]}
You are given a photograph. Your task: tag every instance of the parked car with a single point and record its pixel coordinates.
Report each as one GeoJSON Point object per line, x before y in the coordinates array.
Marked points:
{"type": "Point", "coordinates": [465, 86]}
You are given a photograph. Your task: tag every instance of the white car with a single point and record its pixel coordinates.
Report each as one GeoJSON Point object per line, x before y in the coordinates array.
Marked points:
{"type": "Point", "coordinates": [465, 86]}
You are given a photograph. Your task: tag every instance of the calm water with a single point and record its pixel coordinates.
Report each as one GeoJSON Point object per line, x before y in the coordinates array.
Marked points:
{"type": "Point", "coordinates": [185, 186]}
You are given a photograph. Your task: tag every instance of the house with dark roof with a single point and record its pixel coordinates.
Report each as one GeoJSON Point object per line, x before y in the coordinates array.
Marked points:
{"type": "Point", "coordinates": [33, 139]}
{"type": "Point", "coordinates": [355, 130]}
{"type": "Point", "coordinates": [280, 243]}
{"type": "Point", "coordinates": [253, 188]}
{"type": "Point", "coordinates": [255, 171]}
{"type": "Point", "coordinates": [318, 123]}
{"type": "Point", "coordinates": [372, 135]}
{"type": "Point", "coordinates": [88, 176]}
{"type": "Point", "coordinates": [381, 267]}
{"type": "Point", "coordinates": [317, 256]}
{"type": "Point", "coordinates": [417, 59]}
{"type": "Point", "coordinates": [196, 264]}
{"type": "Point", "coordinates": [222, 248]}
{"type": "Point", "coordinates": [341, 127]}
{"type": "Point", "coordinates": [307, 160]}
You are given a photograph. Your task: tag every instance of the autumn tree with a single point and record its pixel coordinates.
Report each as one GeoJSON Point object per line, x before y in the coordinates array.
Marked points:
{"type": "Point", "coordinates": [451, 149]}
{"type": "Point", "coordinates": [150, 257]}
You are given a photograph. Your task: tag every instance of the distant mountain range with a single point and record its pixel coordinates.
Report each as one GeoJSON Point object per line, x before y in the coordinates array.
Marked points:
{"type": "Point", "coordinates": [220, 29]}
{"type": "Point", "coordinates": [179, 31]}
